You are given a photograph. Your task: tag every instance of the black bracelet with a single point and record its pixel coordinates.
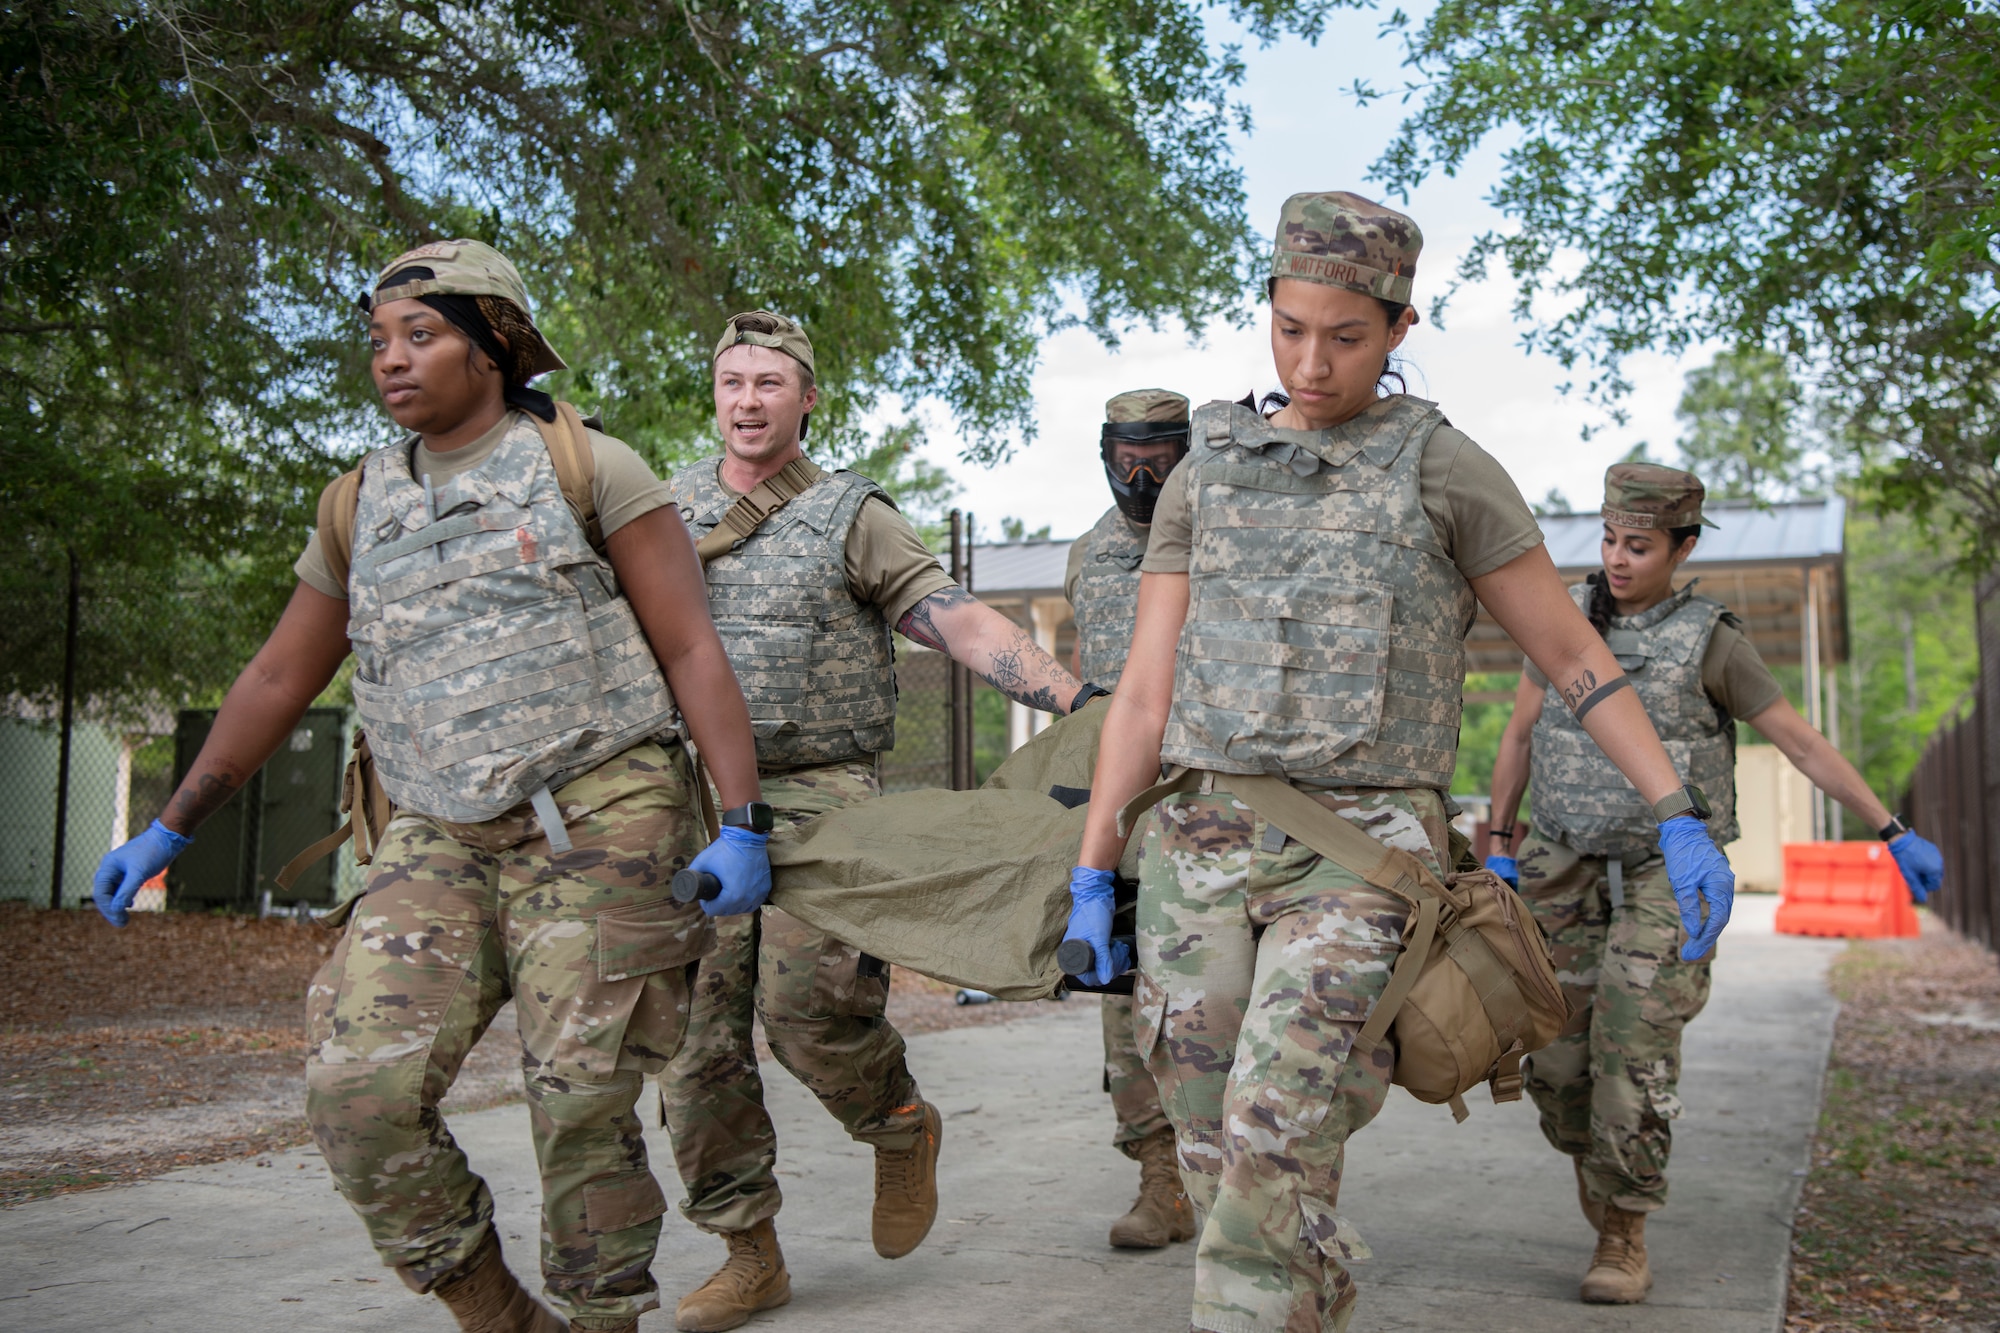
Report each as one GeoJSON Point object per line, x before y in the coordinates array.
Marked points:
{"type": "Point", "coordinates": [1893, 830]}
{"type": "Point", "coordinates": [1507, 833]}
{"type": "Point", "coordinates": [1086, 694]}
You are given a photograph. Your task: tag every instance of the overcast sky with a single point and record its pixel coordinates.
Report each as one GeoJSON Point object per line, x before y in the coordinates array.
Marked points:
{"type": "Point", "coordinates": [1307, 135]}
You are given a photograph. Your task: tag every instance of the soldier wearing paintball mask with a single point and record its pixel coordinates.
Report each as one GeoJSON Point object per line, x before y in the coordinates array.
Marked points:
{"type": "Point", "coordinates": [1145, 434]}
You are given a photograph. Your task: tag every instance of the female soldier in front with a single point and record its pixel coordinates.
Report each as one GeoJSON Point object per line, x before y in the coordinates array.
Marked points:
{"type": "Point", "coordinates": [1305, 597]}
{"type": "Point", "coordinates": [1592, 873]}
{"type": "Point", "coordinates": [517, 689]}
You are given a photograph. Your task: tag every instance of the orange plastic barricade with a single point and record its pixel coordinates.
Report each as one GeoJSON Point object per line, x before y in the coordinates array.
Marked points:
{"type": "Point", "coordinates": [1851, 889]}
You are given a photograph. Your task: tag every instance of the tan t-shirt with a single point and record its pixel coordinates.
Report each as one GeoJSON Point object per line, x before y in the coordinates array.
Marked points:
{"type": "Point", "coordinates": [1473, 505]}
{"type": "Point", "coordinates": [1732, 672]}
{"type": "Point", "coordinates": [624, 489]}
{"type": "Point", "coordinates": [888, 565]}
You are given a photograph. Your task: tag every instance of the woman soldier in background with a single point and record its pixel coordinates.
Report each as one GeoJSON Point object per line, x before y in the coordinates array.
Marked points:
{"type": "Point", "coordinates": [1592, 872]}
{"type": "Point", "coordinates": [517, 686]}
{"type": "Point", "coordinates": [1302, 612]}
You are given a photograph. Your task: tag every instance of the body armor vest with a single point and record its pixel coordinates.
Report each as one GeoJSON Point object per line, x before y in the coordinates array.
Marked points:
{"type": "Point", "coordinates": [1107, 597]}
{"type": "Point", "coordinates": [817, 667]}
{"type": "Point", "coordinates": [494, 653]}
{"type": "Point", "coordinates": [1326, 626]}
{"type": "Point", "coordinates": [1579, 796]}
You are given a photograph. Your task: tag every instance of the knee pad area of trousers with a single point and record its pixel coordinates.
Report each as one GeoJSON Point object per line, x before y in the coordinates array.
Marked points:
{"type": "Point", "coordinates": [365, 1112]}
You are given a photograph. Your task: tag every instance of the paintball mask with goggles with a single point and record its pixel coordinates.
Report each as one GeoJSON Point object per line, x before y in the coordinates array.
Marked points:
{"type": "Point", "coordinates": [1136, 486]}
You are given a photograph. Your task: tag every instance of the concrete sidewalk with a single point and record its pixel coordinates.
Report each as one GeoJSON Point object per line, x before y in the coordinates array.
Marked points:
{"type": "Point", "coordinates": [1473, 1226]}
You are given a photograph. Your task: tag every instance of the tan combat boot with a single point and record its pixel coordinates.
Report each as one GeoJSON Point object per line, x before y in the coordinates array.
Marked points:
{"type": "Point", "coordinates": [1618, 1273]}
{"type": "Point", "coordinates": [906, 1189]}
{"type": "Point", "coordinates": [1593, 1211]}
{"type": "Point", "coordinates": [753, 1278]}
{"type": "Point", "coordinates": [484, 1297]}
{"type": "Point", "coordinates": [1162, 1213]}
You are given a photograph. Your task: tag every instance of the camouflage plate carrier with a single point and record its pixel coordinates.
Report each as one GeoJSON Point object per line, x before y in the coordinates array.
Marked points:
{"type": "Point", "coordinates": [494, 653]}
{"type": "Point", "coordinates": [1107, 597]}
{"type": "Point", "coordinates": [817, 667]}
{"type": "Point", "coordinates": [1325, 636]}
{"type": "Point", "coordinates": [1580, 798]}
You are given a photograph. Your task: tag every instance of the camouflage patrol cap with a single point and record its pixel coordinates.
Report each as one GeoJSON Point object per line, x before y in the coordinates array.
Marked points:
{"type": "Point", "coordinates": [1646, 495]}
{"type": "Point", "coordinates": [761, 328]}
{"type": "Point", "coordinates": [1147, 405]}
{"type": "Point", "coordinates": [465, 268]}
{"type": "Point", "coordinates": [1343, 240]}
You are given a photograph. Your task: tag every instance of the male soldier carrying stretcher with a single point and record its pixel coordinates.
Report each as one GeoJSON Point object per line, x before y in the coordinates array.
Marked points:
{"type": "Point", "coordinates": [807, 570]}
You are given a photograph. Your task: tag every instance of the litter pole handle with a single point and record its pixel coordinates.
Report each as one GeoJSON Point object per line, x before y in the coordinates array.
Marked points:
{"type": "Point", "coordinates": [693, 885]}
{"type": "Point", "coordinates": [1076, 958]}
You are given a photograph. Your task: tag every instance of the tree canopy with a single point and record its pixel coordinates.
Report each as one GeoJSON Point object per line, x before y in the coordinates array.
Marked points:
{"type": "Point", "coordinates": [1816, 178]}
{"type": "Point", "coordinates": [195, 193]}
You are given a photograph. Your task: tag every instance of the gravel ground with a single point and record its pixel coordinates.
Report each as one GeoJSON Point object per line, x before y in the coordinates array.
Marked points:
{"type": "Point", "coordinates": [1899, 1225]}
{"type": "Point", "coordinates": [181, 1040]}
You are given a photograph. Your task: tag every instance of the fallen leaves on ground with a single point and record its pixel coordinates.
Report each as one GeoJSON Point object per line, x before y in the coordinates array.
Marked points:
{"type": "Point", "coordinates": [1899, 1224]}
{"type": "Point", "coordinates": [108, 1038]}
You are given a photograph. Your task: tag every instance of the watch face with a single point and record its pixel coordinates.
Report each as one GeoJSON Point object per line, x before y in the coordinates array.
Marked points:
{"type": "Point", "coordinates": [1700, 801]}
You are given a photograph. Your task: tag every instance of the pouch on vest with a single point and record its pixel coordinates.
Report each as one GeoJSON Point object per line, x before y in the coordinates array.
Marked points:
{"type": "Point", "coordinates": [362, 798]}
{"type": "Point", "coordinates": [1475, 989]}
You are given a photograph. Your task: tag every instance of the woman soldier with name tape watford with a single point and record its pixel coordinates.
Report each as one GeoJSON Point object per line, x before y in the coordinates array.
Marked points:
{"type": "Point", "coordinates": [1592, 871]}
{"type": "Point", "coordinates": [516, 680]}
{"type": "Point", "coordinates": [1303, 606]}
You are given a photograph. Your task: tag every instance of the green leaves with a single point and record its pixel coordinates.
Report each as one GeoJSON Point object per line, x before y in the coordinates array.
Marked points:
{"type": "Point", "coordinates": [194, 194]}
{"type": "Point", "coordinates": [1811, 178]}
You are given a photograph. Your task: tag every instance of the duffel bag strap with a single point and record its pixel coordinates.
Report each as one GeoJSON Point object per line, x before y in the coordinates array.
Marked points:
{"type": "Point", "coordinates": [1394, 872]}
{"type": "Point", "coordinates": [1176, 781]}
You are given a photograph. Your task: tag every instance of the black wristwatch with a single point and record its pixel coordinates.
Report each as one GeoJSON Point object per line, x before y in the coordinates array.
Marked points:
{"type": "Point", "coordinates": [754, 815]}
{"type": "Point", "coordinates": [1086, 694]}
{"type": "Point", "coordinates": [1687, 801]}
{"type": "Point", "coordinates": [1893, 830]}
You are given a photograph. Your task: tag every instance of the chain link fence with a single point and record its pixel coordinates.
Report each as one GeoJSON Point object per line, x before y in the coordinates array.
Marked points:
{"type": "Point", "coordinates": [53, 832]}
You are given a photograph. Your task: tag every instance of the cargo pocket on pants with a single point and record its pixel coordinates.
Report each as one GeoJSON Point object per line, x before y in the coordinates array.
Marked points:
{"type": "Point", "coordinates": [622, 1202]}
{"type": "Point", "coordinates": [805, 975]}
{"type": "Point", "coordinates": [630, 1009]}
{"type": "Point", "coordinates": [1331, 1234]}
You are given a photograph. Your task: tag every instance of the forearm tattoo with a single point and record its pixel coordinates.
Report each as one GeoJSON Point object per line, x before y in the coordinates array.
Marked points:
{"type": "Point", "coordinates": [201, 795]}
{"type": "Point", "coordinates": [919, 625]}
{"type": "Point", "coordinates": [1584, 693]}
{"type": "Point", "coordinates": [1018, 668]}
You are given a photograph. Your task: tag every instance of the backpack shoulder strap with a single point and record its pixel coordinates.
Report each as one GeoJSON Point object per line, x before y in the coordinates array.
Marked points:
{"type": "Point", "coordinates": [744, 517]}
{"type": "Point", "coordinates": [335, 522]}
{"type": "Point", "coordinates": [576, 467]}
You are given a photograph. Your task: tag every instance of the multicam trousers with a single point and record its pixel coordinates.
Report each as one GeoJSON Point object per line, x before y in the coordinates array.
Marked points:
{"type": "Point", "coordinates": [1259, 964]}
{"type": "Point", "coordinates": [1608, 1087]}
{"type": "Point", "coordinates": [1135, 1098]}
{"type": "Point", "coordinates": [821, 1002]}
{"type": "Point", "coordinates": [596, 955]}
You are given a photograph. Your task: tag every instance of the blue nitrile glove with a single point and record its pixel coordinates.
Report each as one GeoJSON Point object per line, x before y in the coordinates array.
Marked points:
{"type": "Point", "coordinates": [1921, 862]}
{"type": "Point", "coordinates": [1507, 868]}
{"type": "Point", "coordinates": [1699, 873]}
{"type": "Point", "coordinates": [737, 858]}
{"type": "Point", "coordinates": [1090, 920]}
{"type": "Point", "coordinates": [123, 869]}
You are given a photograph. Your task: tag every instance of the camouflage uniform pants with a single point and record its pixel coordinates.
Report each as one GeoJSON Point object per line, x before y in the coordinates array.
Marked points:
{"type": "Point", "coordinates": [1135, 1098]}
{"type": "Point", "coordinates": [821, 1003]}
{"type": "Point", "coordinates": [1259, 964]}
{"type": "Point", "coordinates": [1608, 1087]}
{"type": "Point", "coordinates": [596, 956]}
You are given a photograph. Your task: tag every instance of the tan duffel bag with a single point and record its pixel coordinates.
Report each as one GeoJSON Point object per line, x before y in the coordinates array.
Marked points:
{"type": "Point", "coordinates": [1475, 989]}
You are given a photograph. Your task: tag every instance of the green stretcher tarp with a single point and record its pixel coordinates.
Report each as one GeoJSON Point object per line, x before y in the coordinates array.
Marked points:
{"type": "Point", "coordinates": [969, 887]}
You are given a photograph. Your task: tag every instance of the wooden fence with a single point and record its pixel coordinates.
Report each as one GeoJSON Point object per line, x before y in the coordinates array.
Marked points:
{"type": "Point", "coordinates": [1954, 796]}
